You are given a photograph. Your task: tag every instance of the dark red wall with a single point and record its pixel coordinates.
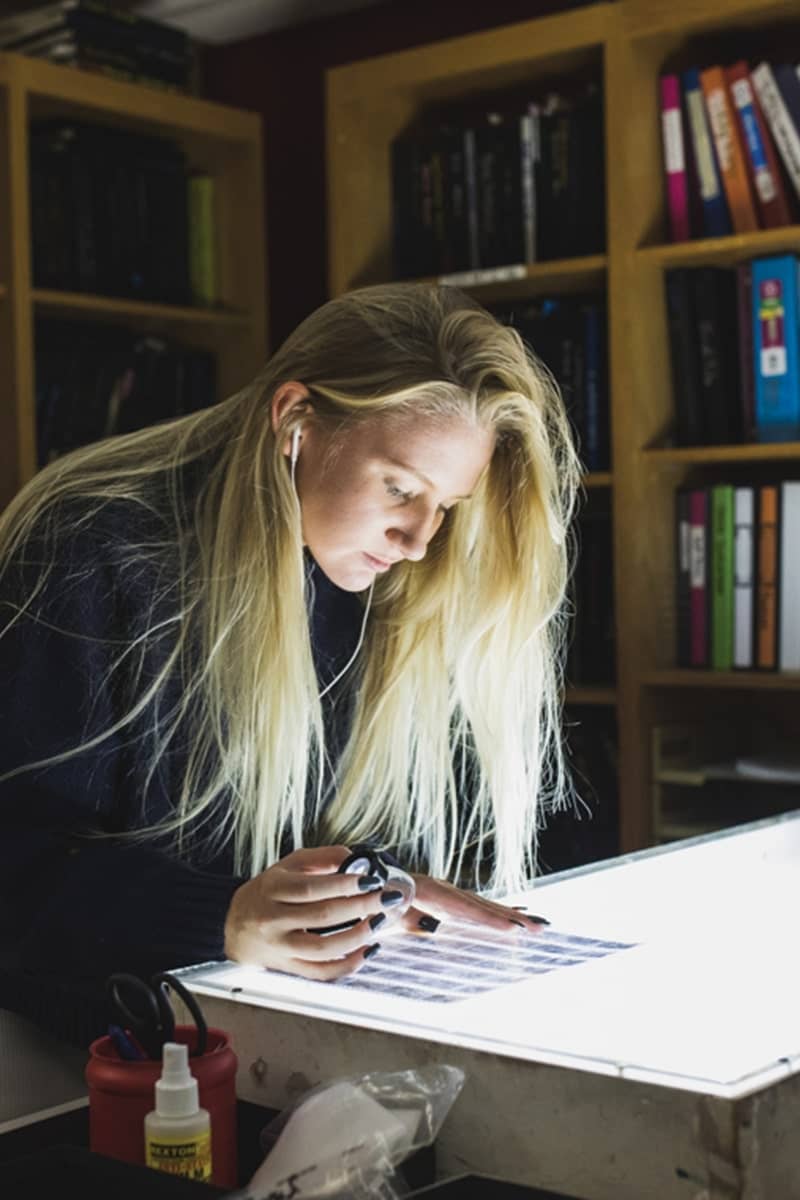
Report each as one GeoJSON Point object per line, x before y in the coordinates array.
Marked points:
{"type": "Point", "coordinates": [281, 76]}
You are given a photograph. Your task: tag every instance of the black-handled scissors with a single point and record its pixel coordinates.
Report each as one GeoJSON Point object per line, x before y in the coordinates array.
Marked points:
{"type": "Point", "coordinates": [145, 1010]}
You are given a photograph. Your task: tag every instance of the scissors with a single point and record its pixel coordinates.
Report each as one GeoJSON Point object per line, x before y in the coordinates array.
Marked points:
{"type": "Point", "coordinates": [146, 1011]}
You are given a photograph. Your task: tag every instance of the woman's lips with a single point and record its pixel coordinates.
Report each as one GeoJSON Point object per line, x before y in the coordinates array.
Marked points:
{"type": "Point", "coordinates": [378, 564]}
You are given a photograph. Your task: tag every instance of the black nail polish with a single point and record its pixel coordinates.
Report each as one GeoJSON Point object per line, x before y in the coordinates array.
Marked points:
{"type": "Point", "coordinates": [538, 920]}
{"type": "Point", "coordinates": [428, 923]}
{"type": "Point", "coordinates": [388, 899]}
{"type": "Point", "coordinates": [511, 921]}
{"type": "Point", "coordinates": [369, 883]}
{"type": "Point", "coordinates": [372, 950]}
{"type": "Point", "coordinates": [377, 920]}
{"type": "Point", "coordinates": [325, 929]}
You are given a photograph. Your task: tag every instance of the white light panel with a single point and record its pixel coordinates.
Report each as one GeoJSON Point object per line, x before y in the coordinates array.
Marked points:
{"type": "Point", "coordinates": [693, 981]}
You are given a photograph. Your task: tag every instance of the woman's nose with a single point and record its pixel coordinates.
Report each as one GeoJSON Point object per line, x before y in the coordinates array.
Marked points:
{"type": "Point", "coordinates": [416, 532]}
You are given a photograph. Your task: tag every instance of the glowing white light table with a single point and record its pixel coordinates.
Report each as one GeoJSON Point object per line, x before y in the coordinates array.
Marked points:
{"type": "Point", "coordinates": [648, 1046]}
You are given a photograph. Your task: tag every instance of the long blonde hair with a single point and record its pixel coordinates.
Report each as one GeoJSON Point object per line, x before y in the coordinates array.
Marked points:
{"type": "Point", "coordinates": [460, 682]}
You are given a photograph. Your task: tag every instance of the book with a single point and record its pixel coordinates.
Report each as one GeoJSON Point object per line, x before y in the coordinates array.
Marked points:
{"type": "Point", "coordinates": [722, 524]}
{"type": "Point", "coordinates": [789, 577]}
{"type": "Point", "coordinates": [714, 293]}
{"type": "Point", "coordinates": [744, 577]}
{"type": "Point", "coordinates": [202, 240]}
{"type": "Point", "coordinates": [729, 150]}
{"type": "Point", "coordinates": [109, 19]}
{"type": "Point", "coordinates": [764, 78]}
{"type": "Point", "coordinates": [776, 347]}
{"type": "Point", "coordinates": [768, 188]}
{"type": "Point", "coordinates": [675, 169]}
{"type": "Point", "coordinates": [682, 578]}
{"type": "Point", "coordinates": [767, 576]}
{"type": "Point", "coordinates": [699, 554]}
{"type": "Point", "coordinates": [744, 333]}
{"type": "Point", "coordinates": [681, 325]}
{"type": "Point", "coordinates": [716, 218]}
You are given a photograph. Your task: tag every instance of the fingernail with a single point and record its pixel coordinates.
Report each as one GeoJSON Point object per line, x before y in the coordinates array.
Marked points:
{"type": "Point", "coordinates": [538, 920]}
{"type": "Point", "coordinates": [369, 883]}
{"type": "Point", "coordinates": [377, 920]}
{"type": "Point", "coordinates": [388, 899]}
{"type": "Point", "coordinates": [372, 950]}
{"type": "Point", "coordinates": [429, 923]}
{"type": "Point", "coordinates": [511, 921]}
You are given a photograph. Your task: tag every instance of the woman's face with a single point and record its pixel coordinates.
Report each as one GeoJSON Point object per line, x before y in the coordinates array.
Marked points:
{"type": "Point", "coordinates": [378, 493]}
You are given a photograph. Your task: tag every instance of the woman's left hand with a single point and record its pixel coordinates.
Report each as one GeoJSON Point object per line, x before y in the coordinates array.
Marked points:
{"type": "Point", "coordinates": [436, 900]}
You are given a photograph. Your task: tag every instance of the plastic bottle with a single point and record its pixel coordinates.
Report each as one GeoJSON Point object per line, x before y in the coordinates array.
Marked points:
{"type": "Point", "coordinates": [177, 1133]}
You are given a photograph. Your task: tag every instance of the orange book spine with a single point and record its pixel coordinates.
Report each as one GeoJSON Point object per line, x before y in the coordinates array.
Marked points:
{"type": "Point", "coordinates": [729, 149]}
{"type": "Point", "coordinates": [767, 602]}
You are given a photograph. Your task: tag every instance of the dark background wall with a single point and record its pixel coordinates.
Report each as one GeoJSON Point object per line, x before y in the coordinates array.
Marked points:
{"type": "Point", "coordinates": [281, 76]}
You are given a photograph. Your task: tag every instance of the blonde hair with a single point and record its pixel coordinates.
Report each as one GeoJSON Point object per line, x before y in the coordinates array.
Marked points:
{"type": "Point", "coordinates": [459, 689]}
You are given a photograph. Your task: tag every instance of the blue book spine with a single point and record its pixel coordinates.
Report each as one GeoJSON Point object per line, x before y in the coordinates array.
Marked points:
{"type": "Point", "coordinates": [716, 217]}
{"type": "Point", "coordinates": [776, 347]}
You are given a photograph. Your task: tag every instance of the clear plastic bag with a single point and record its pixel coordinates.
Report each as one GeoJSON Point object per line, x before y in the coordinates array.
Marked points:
{"type": "Point", "coordinates": [345, 1138]}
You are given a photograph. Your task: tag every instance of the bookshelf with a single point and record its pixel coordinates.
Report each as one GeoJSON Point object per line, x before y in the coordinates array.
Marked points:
{"type": "Point", "coordinates": [222, 141]}
{"type": "Point", "coordinates": [627, 44]}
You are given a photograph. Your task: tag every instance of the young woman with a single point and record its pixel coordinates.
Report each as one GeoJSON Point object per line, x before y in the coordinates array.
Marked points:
{"type": "Point", "coordinates": [327, 610]}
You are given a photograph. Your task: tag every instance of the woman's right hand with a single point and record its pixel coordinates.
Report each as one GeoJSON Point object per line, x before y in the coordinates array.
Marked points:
{"type": "Point", "coordinates": [270, 916]}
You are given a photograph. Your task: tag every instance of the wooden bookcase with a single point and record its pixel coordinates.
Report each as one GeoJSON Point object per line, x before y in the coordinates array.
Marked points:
{"type": "Point", "coordinates": [225, 142]}
{"type": "Point", "coordinates": [371, 101]}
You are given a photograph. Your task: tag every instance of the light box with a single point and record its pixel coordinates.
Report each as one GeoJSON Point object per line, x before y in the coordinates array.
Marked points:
{"type": "Point", "coordinates": [648, 1043]}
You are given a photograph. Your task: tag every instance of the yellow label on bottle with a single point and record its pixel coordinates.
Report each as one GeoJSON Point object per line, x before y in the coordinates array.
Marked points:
{"type": "Point", "coordinates": [181, 1156]}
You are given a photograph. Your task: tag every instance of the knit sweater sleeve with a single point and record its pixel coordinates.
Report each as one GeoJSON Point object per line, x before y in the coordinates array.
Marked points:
{"type": "Point", "coordinates": [77, 900]}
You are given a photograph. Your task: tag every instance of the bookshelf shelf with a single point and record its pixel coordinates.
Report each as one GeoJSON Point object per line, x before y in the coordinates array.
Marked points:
{"type": "Point", "coordinates": [600, 696]}
{"type": "Point", "coordinates": [722, 251]}
{"type": "Point", "coordinates": [78, 303]}
{"type": "Point", "coordinates": [598, 479]}
{"type": "Point", "coordinates": [746, 680]}
{"type": "Point", "coordinates": [587, 274]}
{"type": "Point", "coordinates": [761, 452]}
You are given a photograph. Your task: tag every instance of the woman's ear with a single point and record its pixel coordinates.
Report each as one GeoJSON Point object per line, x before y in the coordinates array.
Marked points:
{"type": "Point", "coordinates": [287, 397]}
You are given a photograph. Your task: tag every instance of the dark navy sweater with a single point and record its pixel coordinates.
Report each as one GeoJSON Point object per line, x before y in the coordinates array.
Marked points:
{"type": "Point", "coordinates": [73, 907]}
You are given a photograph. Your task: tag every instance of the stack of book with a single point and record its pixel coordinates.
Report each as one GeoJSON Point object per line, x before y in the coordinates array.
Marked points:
{"type": "Point", "coordinates": [94, 381]}
{"type": "Point", "coordinates": [734, 338]}
{"type": "Point", "coordinates": [738, 576]}
{"type": "Point", "coordinates": [731, 141]}
{"type": "Point", "coordinates": [569, 334]}
{"type": "Point", "coordinates": [94, 36]}
{"type": "Point", "coordinates": [508, 184]}
{"type": "Point", "coordinates": [109, 212]}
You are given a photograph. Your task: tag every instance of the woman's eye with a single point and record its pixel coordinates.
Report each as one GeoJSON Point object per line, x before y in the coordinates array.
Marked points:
{"type": "Point", "coordinates": [397, 492]}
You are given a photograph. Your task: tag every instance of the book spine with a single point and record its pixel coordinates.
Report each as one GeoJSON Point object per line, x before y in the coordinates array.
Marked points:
{"type": "Point", "coordinates": [526, 124]}
{"type": "Point", "coordinates": [683, 357]}
{"type": "Point", "coordinates": [770, 194]}
{"type": "Point", "coordinates": [714, 291]}
{"type": "Point", "coordinates": [674, 158]}
{"type": "Point", "coordinates": [744, 579]}
{"type": "Point", "coordinates": [789, 591]}
{"type": "Point", "coordinates": [722, 577]}
{"type": "Point", "coordinates": [767, 588]}
{"type": "Point", "coordinates": [592, 414]}
{"type": "Point", "coordinates": [683, 619]}
{"type": "Point", "coordinates": [730, 152]}
{"type": "Point", "coordinates": [776, 346]}
{"type": "Point", "coordinates": [778, 120]}
{"type": "Point", "coordinates": [202, 257]}
{"type": "Point", "coordinates": [471, 184]}
{"type": "Point", "coordinates": [716, 217]}
{"type": "Point", "coordinates": [744, 330]}
{"type": "Point", "coordinates": [699, 542]}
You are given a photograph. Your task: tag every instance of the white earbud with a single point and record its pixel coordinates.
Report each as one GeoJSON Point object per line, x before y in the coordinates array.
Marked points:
{"type": "Point", "coordinates": [295, 447]}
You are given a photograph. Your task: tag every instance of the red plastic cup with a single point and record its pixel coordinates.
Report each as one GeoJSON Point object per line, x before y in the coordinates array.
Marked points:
{"type": "Point", "coordinates": [121, 1094]}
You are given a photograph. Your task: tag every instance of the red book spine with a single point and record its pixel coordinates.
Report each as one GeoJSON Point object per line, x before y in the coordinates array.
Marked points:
{"type": "Point", "coordinates": [698, 578]}
{"type": "Point", "coordinates": [674, 158]}
{"type": "Point", "coordinates": [762, 162]}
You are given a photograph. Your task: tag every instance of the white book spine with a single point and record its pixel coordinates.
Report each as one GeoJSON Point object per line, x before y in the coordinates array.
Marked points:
{"type": "Point", "coordinates": [743, 578]}
{"type": "Point", "coordinates": [780, 123]}
{"type": "Point", "coordinates": [789, 568]}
